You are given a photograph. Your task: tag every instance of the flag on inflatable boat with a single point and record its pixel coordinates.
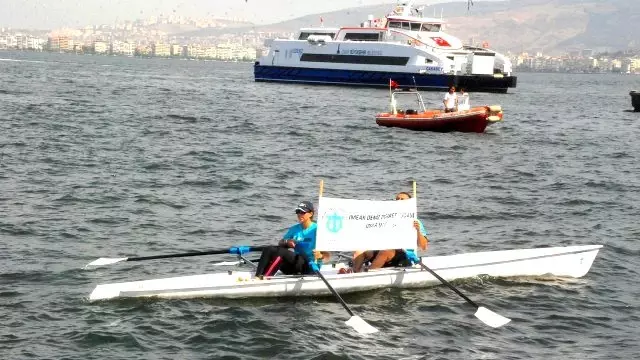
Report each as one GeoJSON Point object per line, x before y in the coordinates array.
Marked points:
{"type": "Point", "coordinates": [349, 224]}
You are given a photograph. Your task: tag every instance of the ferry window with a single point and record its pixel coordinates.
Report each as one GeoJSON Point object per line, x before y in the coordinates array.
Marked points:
{"type": "Point", "coordinates": [415, 26]}
{"type": "Point", "coordinates": [431, 27]}
{"type": "Point", "coordinates": [305, 35]}
{"type": "Point", "coordinates": [406, 26]}
{"type": "Point", "coordinates": [428, 61]}
{"type": "Point", "coordinates": [398, 37]}
{"type": "Point", "coordinates": [362, 36]}
{"type": "Point", "coordinates": [355, 59]}
{"type": "Point", "coordinates": [394, 24]}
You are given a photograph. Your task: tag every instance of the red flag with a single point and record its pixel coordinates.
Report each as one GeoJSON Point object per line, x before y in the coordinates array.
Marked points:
{"type": "Point", "coordinates": [393, 84]}
{"type": "Point", "coordinates": [441, 42]}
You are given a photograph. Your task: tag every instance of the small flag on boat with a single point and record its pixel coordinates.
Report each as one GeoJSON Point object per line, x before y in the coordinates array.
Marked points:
{"type": "Point", "coordinates": [441, 42]}
{"type": "Point", "coordinates": [393, 84]}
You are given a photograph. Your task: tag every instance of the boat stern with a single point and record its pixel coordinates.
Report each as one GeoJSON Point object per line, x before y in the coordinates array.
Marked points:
{"type": "Point", "coordinates": [495, 114]}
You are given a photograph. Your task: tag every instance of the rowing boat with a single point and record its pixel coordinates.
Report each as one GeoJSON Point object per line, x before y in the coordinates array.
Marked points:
{"type": "Point", "coordinates": [569, 261]}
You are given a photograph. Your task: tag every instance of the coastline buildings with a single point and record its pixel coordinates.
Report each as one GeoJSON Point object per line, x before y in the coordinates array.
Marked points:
{"type": "Point", "coordinates": [176, 36]}
{"type": "Point", "coordinates": [624, 63]}
{"type": "Point", "coordinates": [21, 41]}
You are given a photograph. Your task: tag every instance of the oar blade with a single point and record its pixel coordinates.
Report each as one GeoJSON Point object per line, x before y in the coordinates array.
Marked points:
{"type": "Point", "coordinates": [360, 325]}
{"type": "Point", "coordinates": [106, 261]}
{"type": "Point", "coordinates": [490, 318]}
{"type": "Point", "coordinates": [228, 263]}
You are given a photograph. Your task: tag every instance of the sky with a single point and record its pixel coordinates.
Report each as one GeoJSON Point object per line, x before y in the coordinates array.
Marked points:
{"type": "Point", "coordinates": [52, 14]}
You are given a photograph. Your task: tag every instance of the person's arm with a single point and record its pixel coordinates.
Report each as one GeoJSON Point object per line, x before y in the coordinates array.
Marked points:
{"type": "Point", "coordinates": [422, 240]}
{"type": "Point", "coordinates": [287, 239]}
{"type": "Point", "coordinates": [287, 243]}
{"type": "Point", "coordinates": [324, 255]}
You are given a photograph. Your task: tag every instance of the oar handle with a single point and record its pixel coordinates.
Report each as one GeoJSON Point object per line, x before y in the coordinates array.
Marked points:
{"type": "Point", "coordinates": [236, 250]}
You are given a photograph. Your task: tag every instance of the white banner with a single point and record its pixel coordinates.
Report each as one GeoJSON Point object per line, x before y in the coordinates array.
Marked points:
{"type": "Point", "coordinates": [349, 225]}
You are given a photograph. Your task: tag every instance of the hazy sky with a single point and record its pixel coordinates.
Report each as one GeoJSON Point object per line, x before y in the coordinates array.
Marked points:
{"type": "Point", "coordinates": [48, 14]}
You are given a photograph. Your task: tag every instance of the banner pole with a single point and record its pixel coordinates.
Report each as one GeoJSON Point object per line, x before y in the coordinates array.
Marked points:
{"type": "Point", "coordinates": [414, 189]}
{"type": "Point", "coordinates": [321, 187]}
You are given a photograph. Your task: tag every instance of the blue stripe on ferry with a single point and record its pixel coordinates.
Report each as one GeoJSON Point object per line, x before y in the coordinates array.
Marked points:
{"type": "Point", "coordinates": [380, 78]}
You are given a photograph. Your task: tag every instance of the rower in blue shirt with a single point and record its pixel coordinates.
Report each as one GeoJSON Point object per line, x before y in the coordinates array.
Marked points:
{"type": "Point", "coordinates": [300, 237]}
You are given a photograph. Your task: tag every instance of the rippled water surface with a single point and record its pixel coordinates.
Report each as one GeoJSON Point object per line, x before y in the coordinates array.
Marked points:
{"type": "Point", "coordinates": [114, 157]}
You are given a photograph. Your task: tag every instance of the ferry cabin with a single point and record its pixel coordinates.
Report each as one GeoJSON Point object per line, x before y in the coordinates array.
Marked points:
{"type": "Point", "coordinates": [412, 44]}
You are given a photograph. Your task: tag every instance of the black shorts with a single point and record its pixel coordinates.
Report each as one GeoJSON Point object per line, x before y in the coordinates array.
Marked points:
{"type": "Point", "coordinates": [276, 258]}
{"type": "Point", "coordinates": [295, 265]}
{"type": "Point", "coordinates": [398, 260]}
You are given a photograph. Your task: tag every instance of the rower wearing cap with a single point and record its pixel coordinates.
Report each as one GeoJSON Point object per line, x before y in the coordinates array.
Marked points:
{"type": "Point", "coordinates": [300, 237]}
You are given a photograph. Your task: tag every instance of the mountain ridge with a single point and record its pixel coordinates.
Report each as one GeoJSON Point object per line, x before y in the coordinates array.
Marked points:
{"type": "Point", "coordinates": [548, 26]}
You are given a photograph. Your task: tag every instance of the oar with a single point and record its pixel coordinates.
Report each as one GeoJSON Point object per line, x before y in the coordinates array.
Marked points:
{"type": "Point", "coordinates": [238, 250]}
{"type": "Point", "coordinates": [233, 263]}
{"type": "Point", "coordinates": [354, 321]}
{"type": "Point", "coordinates": [485, 315]}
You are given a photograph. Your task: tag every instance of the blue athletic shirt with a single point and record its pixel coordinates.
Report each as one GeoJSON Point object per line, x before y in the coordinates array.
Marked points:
{"type": "Point", "coordinates": [305, 239]}
{"type": "Point", "coordinates": [411, 253]}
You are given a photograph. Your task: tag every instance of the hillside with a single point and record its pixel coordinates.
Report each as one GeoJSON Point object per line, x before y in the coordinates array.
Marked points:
{"type": "Point", "coordinates": [550, 26]}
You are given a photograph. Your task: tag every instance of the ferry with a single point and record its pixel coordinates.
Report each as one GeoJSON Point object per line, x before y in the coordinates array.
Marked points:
{"type": "Point", "coordinates": [404, 46]}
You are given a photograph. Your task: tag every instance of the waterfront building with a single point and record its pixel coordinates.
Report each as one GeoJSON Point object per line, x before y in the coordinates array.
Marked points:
{"type": "Point", "coordinates": [176, 50]}
{"type": "Point", "coordinates": [122, 48]}
{"type": "Point", "coordinates": [60, 43]}
{"type": "Point", "coordinates": [161, 49]}
{"type": "Point", "coordinates": [100, 47]}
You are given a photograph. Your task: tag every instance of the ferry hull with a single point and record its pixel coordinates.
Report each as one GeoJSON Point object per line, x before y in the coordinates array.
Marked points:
{"type": "Point", "coordinates": [429, 82]}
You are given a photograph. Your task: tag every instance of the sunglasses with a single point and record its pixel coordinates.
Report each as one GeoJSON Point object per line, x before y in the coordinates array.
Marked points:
{"type": "Point", "coordinates": [301, 212]}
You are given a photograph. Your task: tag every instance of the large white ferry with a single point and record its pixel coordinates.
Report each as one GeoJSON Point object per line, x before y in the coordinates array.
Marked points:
{"type": "Point", "coordinates": [404, 46]}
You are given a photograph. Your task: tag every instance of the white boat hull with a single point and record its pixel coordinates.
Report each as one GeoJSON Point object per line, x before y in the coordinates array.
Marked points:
{"type": "Point", "coordinates": [570, 261]}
